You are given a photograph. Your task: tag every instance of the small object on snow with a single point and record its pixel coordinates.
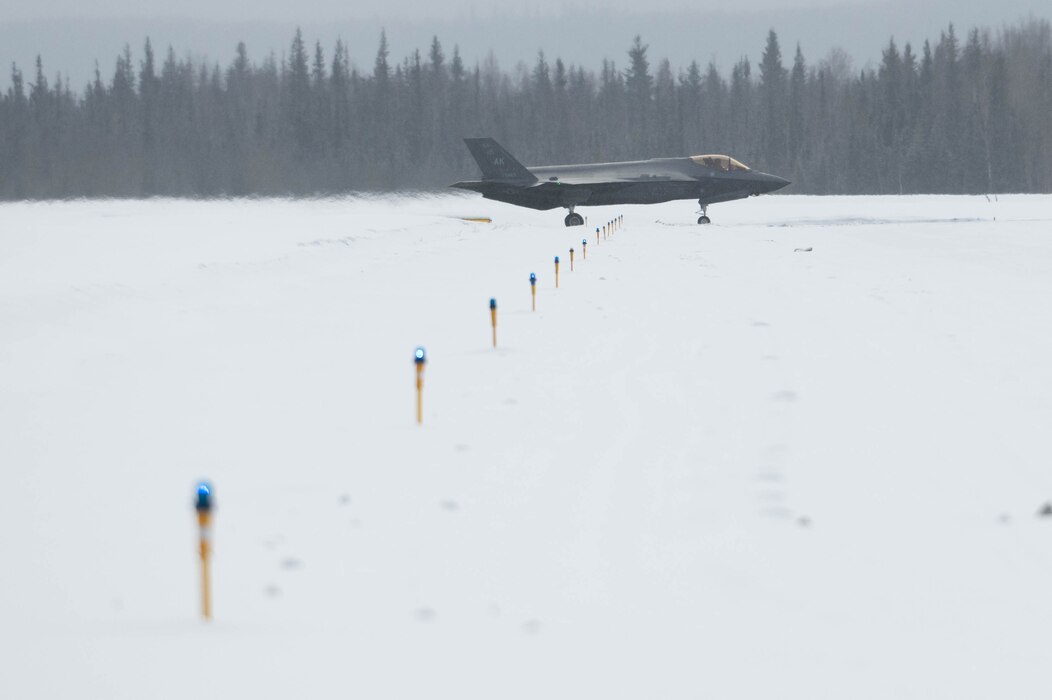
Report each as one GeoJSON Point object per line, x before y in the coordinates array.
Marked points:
{"type": "Point", "coordinates": [533, 291]}
{"type": "Point", "coordinates": [556, 271]}
{"type": "Point", "coordinates": [571, 259]}
{"type": "Point", "coordinates": [477, 219]}
{"type": "Point", "coordinates": [1046, 510]}
{"type": "Point", "coordinates": [803, 250]}
{"type": "Point", "coordinates": [584, 248]}
{"type": "Point", "coordinates": [419, 359]}
{"type": "Point", "coordinates": [203, 506]}
{"type": "Point", "coordinates": [493, 319]}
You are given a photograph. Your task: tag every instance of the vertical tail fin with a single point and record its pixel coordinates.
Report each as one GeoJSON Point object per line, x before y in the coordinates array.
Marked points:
{"type": "Point", "coordinates": [496, 163]}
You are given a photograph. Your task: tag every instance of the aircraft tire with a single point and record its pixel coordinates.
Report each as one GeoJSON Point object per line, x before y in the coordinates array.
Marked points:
{"type": "Point", "coordinates": [704, 220]}
{"type": "Point", "coordinates": [574, 220]}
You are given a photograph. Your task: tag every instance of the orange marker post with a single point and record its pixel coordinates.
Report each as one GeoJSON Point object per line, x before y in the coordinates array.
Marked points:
{"type": "Point", "coordinates": [493, 319]}
{"type": "Point", "coordinates": [556, 271]}
{"type": "Point", "coordinates": [571, 259]}
{"type": "Point", "coordinates": [533, 291]}
{"type": "Point", "coordinates": [419, 359]}
{"type": "Point", "coordinates": [204, 524]}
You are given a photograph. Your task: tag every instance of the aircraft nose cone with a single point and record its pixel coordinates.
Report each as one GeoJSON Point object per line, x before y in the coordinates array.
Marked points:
{"type": "Point", "coordinates": [773, 182]}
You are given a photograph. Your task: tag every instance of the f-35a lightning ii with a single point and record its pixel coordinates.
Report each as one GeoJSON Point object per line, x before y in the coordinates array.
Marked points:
{"type": "Point", "coordinates": [709, 179]}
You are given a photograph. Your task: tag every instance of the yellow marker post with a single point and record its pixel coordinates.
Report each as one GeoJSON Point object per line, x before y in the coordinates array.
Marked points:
{"type": "Point", "coordinates": [571, 259]}
{"type": "Point", "coordinates": [533, 291]}
{"type": "Point", "coordinates": [556, 271]}
{"type": "Point", "coordinates": [204, 525]}
{"type": "Point", "coordinates": [597, 236]}
{"type": "Point", "coordinates": [419, 359]}
{"type": "Point", "coordinates": [604, 232]}
{"type": "Point", "coordinates": [493, 319]}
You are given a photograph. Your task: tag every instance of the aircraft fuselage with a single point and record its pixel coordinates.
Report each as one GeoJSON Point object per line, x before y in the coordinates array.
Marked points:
{"type": "Point", "coordinates": [707, 179]}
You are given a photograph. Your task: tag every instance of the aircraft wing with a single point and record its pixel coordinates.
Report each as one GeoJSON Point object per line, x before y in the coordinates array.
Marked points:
{"type": "Point", "coordinates": [592, 180]}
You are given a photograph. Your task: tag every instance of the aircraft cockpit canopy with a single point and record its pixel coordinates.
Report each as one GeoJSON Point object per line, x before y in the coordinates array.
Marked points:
{"type": "Point", "coordinates": [722, 163]}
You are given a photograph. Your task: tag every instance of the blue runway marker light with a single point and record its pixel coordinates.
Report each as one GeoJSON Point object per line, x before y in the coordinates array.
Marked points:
{"type": "Point", "coordinates": [203, 506]}
{"type": "Point", "coordinates": [419, 358]}
{"type": "Point", "coordinates": [533, 292]}
{"type": "Point", "coordinates": [556, 271]}
{"type": "Point", "coordinates": [493, 319]}
{"type": "Point", "coordinates": [533, 278]}
{"type": "Point", "coordinates": [204, 497]}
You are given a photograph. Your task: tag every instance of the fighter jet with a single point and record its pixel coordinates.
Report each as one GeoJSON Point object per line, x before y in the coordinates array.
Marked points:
{"type": "Point", "coordinates": [709, 179]}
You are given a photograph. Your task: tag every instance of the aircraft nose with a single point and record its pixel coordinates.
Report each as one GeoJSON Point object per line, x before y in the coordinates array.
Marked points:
{"type": "Point", "coordinates": [773, 182]}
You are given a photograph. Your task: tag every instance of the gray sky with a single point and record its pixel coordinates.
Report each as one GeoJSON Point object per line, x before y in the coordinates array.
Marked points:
{"type": "Point", "coordinates": [71, 35]}
{"type": "Point", "coordinates": [315, 10]}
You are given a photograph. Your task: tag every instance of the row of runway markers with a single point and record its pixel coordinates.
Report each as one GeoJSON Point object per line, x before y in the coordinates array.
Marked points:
{"type": "Point", "coordinates": [419, 357]}
{"type": "Point", "coordinates": [203, 500]}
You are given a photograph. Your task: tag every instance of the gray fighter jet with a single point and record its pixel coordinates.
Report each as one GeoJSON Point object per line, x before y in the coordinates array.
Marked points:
{"type": "Point", "coordinates": [708, 179]}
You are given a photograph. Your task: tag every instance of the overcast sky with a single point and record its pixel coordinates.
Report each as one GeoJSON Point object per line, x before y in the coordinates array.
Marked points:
{"type": "Point", "coordinates": [71, 35]}
{"type": "Point", "coordinates": [313, 10]}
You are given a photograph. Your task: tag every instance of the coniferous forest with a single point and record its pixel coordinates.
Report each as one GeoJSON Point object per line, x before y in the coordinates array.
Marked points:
{"type": "Point", "coordinates": [968, 114]}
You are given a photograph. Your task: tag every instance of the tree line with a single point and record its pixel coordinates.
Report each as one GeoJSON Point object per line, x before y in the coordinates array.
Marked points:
{"type": "Point", "coordinates": [971, 116]}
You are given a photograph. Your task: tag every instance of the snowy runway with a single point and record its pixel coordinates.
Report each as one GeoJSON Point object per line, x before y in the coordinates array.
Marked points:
{"type": "Point", "coordinates": [707, 466]}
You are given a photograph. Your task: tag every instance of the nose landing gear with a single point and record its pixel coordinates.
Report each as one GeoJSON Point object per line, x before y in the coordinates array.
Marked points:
{"type": "Point", "coordinates": [703, 219]}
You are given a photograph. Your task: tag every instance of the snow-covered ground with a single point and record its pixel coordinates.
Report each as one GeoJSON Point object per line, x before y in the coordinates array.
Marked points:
{"type": "Point", "coordinates": [708, 466]}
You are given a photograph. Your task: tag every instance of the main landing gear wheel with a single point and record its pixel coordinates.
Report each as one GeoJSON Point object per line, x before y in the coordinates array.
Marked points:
{"type": "Point", "coordinates": [574, 220]}
{"type": "Point", "coordinates": [704, 219]}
